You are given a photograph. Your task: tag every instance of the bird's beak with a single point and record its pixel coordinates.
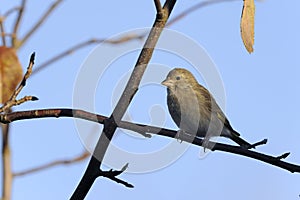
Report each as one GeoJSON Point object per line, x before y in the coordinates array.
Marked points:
{"type": "Point", "coordinates": [167, 82]}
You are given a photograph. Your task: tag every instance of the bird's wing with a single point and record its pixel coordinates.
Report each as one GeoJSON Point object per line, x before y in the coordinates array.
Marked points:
{"type": "Point", "coordinates": [205, 100]}
{"type": "Point", "coordinates": [213, 108]}
{"type": "Point", "coordinates": [226, 122]}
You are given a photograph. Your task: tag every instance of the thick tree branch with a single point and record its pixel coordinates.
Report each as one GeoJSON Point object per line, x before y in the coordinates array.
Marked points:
{"type": "Point", "coordinates": [114, 121]}
{"type": "Point", "coordinates": [111, 124]}
{"type": "Point", "coordinates": [142, 128]}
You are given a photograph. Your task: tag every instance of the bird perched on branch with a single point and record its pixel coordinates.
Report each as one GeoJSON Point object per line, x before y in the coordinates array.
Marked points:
{"type": "Point", "coordinates": [195, 111]}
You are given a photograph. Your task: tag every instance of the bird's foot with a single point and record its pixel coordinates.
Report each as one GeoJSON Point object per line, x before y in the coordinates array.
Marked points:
{"type": "Point", "coordinates": [179, 134]}
{"type": "Point", "coordinates": [206, 144]}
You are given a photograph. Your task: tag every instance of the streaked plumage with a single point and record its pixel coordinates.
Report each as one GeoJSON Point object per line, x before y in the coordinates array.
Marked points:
{"type": "Point", "coordinates": [194, 109]}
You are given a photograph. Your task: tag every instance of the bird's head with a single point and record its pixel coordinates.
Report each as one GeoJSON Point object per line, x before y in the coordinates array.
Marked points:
{"type": "Point", "coordinates": [179, 78]}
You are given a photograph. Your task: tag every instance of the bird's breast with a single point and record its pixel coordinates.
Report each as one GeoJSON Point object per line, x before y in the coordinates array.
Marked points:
{"type": "Point", "coordinates": [185, 109]}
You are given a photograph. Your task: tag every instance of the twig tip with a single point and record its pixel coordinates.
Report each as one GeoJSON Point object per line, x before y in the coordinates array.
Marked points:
{"type": "Point", "coordinates": [33, 98]}
{"type": "Point", "coordinates": [283, 156]}
{"type": "Point", "coordinates": [32, 57]}
{"type": "Point", "coordinates": [264, 141]}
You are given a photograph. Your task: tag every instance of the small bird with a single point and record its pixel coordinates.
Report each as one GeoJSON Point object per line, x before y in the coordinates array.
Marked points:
{"type": "Point", "coordinates": [195, 111]}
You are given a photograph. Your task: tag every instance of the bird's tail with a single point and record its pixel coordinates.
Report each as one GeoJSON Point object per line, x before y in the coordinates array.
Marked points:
{"type": "Point", "coordinates": [235, 136]}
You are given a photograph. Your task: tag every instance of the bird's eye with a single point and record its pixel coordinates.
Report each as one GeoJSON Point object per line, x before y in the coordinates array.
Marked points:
{"type": "Point", "coordinates": [177, 78]}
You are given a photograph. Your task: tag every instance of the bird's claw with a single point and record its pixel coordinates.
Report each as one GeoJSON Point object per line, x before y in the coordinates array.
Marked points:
{"type": "Point", "coordinates": [179, 133]}
{"type": "Point", "coordinates": [207, 144]}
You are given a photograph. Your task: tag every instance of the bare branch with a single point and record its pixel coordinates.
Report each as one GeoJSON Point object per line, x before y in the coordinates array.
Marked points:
{"type": "Point", "coordinates": [2, 31]}
{"type": "Point", "coordinates": [81, 45]}
{"type": "Point", "coordinates": [112, 174]}
{"type": "Point", "coordinates": [258, 144]}
{"type": "Point", "coordinates": [110, 124]}
{"type": "Point", "coordinates": [194, 8]}
{"type": "Point", "coordinates": [79, 158]}
{"type": "Point", "coordinates": [32, 114]}
{"type": "Point", "coordinates": [114, 121]}
{"type": "Point", "coordinates": [40, 22]}
{"type": "Point", "coordinates": [14, 38]}
{"type": "Point", "coordinates": [122, 39]}
{"type": "Point", "coordinates": [12, 101]}
{"type": "Point", "coordinates": [10, 11]}
{"type": "Point", "coordinates": [6, 161]}
{"type": "Point", "coordinates": [43, 113]}
{"type": "Point", "coordinates": [158, 6]}
{"type": "Point", "coordinates": [283, 156]}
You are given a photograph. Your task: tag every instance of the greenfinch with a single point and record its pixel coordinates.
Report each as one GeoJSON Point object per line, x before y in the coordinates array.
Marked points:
{"type": "Point", "coordinates": [195, 111]}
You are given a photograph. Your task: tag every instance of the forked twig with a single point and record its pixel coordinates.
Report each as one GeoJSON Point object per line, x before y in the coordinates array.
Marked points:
{"type": "Point", "coordinates": [126, 37]}
{"type": "Point", "coordinates": [13, 101]}
{"type": "Point", "coordinates": [39, 22]}
{"type": "Point", "coordinates": [112, 175]}
{"type": "Point", "coordinates": [110, 125]}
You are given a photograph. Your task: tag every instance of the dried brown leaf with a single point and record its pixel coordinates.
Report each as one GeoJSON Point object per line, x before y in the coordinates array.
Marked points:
{"type": "Point", "coordinates": [10, 72]}
{"type": "Point", "coordinates": [247, 24]}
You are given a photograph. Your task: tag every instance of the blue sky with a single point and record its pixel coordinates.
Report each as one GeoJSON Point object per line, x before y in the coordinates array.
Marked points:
{"type": "Point", "coordinates": [261, 89]}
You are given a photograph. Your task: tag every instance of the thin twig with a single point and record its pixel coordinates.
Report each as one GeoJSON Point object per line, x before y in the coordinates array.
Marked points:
{"type": "Point", "coordinates": [123, 38]}
{"type": "Point", "coordinates": [76, 47]}
{"type": "Point", "coordinates": [112, 174]}
{"type": "Point", "coordinates": [142, 128]}
{"type": "Point", "coordinates": [12, 101]}
{"type": "Point", "coordinates": [283, 156]}
{"type": "Point", "coordinates": [158, 6]}
{"type": "Point", "coordinates": [194, 8]}
{"type": "Point", "coordinates": [258, 143]}
{"type": "Point", "coordinates": [10, 11]}
{"type": "Point", "coordinates": [40, 22]}
{"type": "Point", "coordinates": [79, 158]}
{"type": "Point", "coordinates": [14, 39]}
{"type": "Point", "coordinates": [2, 31]}
{"type": "Point", "coordinates": [8, 35]}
